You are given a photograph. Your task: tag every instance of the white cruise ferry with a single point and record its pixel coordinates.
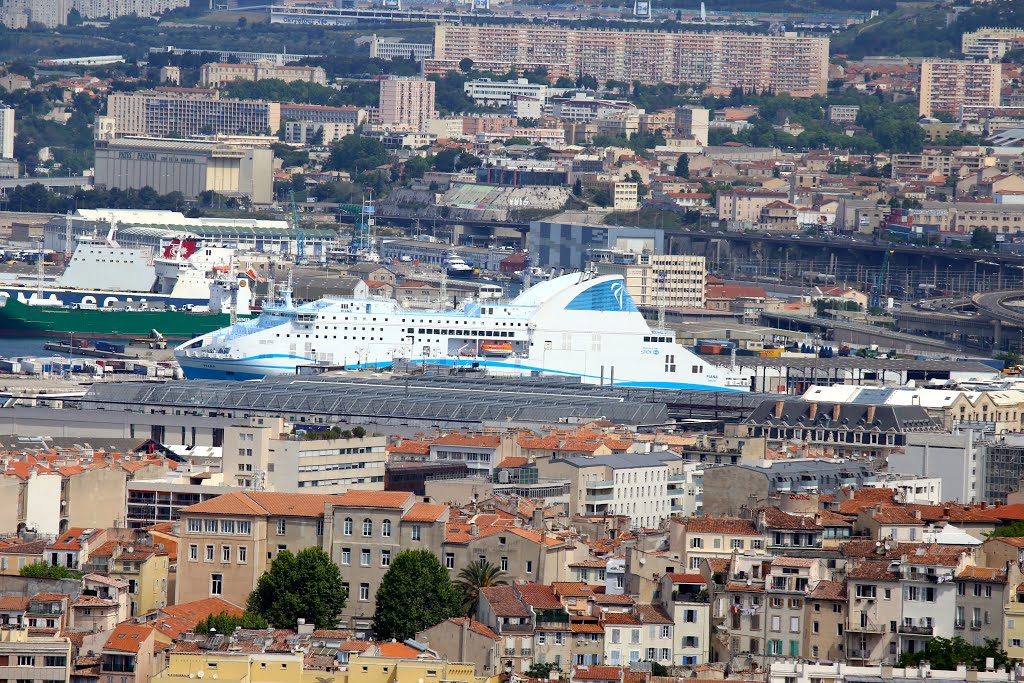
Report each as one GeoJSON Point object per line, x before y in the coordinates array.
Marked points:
{"type": "Point", "coordinates": [577, 325]}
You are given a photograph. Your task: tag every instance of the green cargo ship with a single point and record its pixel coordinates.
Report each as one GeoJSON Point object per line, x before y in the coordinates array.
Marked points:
{"type": "Point", "coordinates": [18, 319]}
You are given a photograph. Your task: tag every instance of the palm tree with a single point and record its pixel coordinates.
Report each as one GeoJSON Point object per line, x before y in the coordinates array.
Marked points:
{"type": "Point", "coordinates": [477, 575]}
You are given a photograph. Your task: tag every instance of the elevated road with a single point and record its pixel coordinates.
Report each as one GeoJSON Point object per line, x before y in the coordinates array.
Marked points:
{"type": "Point", "coordinates": [841, 331]}
{"type": "Point", "coordinates": [996, 305]}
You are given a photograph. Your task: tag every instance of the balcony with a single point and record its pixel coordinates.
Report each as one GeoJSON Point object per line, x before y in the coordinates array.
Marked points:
{"type": "Point", "coordinates": [606, 484]}
{"type": "Point", "coordinates": [515, 628]}
{"type": "Point", "coordinates": [917, 630]}
{"type": "Point", "coordinates": [599, 498]}
{"type": "Point", "coordinates": [858, 654]}
{"type": "Point", "coordinates": [677, 477]}
{"type": "Point", "coordinates": [858, 627]}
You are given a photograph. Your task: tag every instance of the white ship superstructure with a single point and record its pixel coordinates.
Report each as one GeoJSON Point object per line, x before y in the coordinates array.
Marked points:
{"type": "Point", "coordinates": [576, 325]}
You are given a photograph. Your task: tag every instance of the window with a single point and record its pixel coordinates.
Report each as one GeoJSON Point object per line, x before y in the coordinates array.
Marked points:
{"type": "Point", "coordinates": [529, 566]}
{"type": "Point", "coordinates": [416, 532]}
{"type": "Point", "coordinates": [737, 543]}
{"type": "Point", "coordinates": [666, 632]}
{"type": "Point", "coordinates": [282, 527]}
{"type": "Point", "coordinates": [697, 543]}
{"type": "Point", "coordinates": [690, 616]}
{"type": "Point", "coordinates": [216, 584]}
{"type": "Point", "coordinates": [193, 552]}
{"type": "Point", "coordinates": [367, 527]}
{"type": "Point", "coordinates": [209, 553]}
{"type": "Point", "coordinates": [865, 591]}
{"type": "Point", "coordinates": [385, 558]}
{"type": "Point", "coordinates": [755, 544]}
{"type": "Point", "coordinates": [227, 526]}
{"type": "Point", "coordinates": [243, 554]}
{"type": "Point", "coordinates": [666, 654]}
{"type": "Point", "coordinates": [194, 525]}
{"type": "Point", "coordinates": [347, 526]}
{"type": "Point", "coordinates": [504, 564]}
{"type": "Point", "coordinates": [385, 528]}
{"type": "Point", "coordinates": [364, 557]}
{"type": "Point", "coordinates": [225, 553]}
{"type": "Point", "coordinates": [320, 527]}
{"type": "Point", "coordinates": [449, 560]}
{"type": "Point", "coordinates": [244, 527]}
{"type": "Point", "coordinates": [364, 592]}
{"type": "Point", "coordinates": [55, 661]}
{"type": "Point", "coordinates": [346, 555]}
{"type": "Point", "coordinates": [26, 660]}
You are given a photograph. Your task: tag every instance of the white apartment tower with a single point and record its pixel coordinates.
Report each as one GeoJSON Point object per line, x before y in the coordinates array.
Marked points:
{"type": "Point", "coordinates": [6, 132]}
{"type": "Point", "coordinates": [406, 103]}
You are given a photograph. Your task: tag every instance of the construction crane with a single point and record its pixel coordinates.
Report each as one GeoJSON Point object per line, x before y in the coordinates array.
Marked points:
{"type": "Point", "coordinates": [876, 291]}
{"type": "Point", "coordinates": [363, 216]}
{"type": "Point", "coordinates": [300, 234]}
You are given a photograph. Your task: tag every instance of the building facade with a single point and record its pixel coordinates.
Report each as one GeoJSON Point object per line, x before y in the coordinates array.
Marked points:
{"type": "Point", "coordinates": [407, 103]}
{"type": "Point", "coordinates": [946, 86]}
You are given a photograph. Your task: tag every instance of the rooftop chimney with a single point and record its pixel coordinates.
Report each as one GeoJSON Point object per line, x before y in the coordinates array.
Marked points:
{"type": "Point", "coordinates": [836, 409]}
{"type": "Point", "coordinates": [871, 414]}
{"type": "Point", "coordinates": [779, 405]}
{"type": "Point", "coordinates": [813, 411]}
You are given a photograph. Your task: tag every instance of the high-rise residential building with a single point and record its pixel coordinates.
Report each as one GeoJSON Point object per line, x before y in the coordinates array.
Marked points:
{"type": "Point", "coordinates": [6, 132]}
{"type": "Point", "coordinates": [789, 63]}
{"type": "Point", "coordinates": [672, 280]}
{"type": "Point", "coordinates": [166, 112]}
{"type": "Point", "coordinates": [406, 103]}
{"type": "Point", "coordinates": [991, 43]}
{"type": "Point", "coordinates": [947, 86]}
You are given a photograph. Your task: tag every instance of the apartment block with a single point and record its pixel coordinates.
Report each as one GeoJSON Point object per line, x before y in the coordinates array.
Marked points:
{"type": "Point", "coordinates": [7, 132]}
{"type": "Point", "coordinates": [311, 133]}
{"type": "Point", "coordinates": [693, 122]}
{"type": "Point", "coordinates": [265, 457]}
{"type": "Point", "coordinates": [675, 281]}
{"type": "Point", "coordinates": [990, 43]}
{"type": "Point", "coordinates": [393, 48]}
{"type": "Point", "coordinates": [406, 103]}
{"type": "Point", "coordinates": [947, 86]}
{"type": "Point", "coordinates": [781, 63]}
{"type": "Point", "coordinates": [216, 74]}
{"type": "Point", "coordinates": [500, 93]}
{"type": "Point", "coordinates": [188, 112]}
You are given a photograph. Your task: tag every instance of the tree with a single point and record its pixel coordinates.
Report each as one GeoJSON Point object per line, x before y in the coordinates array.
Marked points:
{"type": "Point", "coordinates": [659, 669]}
{"type": "Point", "coordinates": [1010, 359]}
{"type": "Point", "coordinates": [982, 238]}
{"type": "Point", "coordinates": [354, 153]}
{"type": "Point", "coordinates": [601, 198]}
{"type": "Point", "coordinates": [948, 653]}
{"type": "Point", "coordinates": [42, 570]}
{"type": "Point", "coordinates": [479, 574]}
{"type": "Point", "coordinates": [466, 65]}
{"type": "Point", "coordinates": [307, 586]}
{"type": "Point", "coordinates": [226, 623]}
{"type": "Point", "coordinates": [414, 594]}
{"type": "Point", "coordinates": [565, 82]}
{"type": "Point", "coordinates": [683, 167]}
{"type": "Point", "coordinates": [542, 670]}
{"type": "Point", "coordinates": [1011, 530]}
{"type": "Point", "coordinates": [358, 432]}
{"type": "Point", "coordinates": [416, 167]}
{"type": "Point", "coordinates": [577, 188]}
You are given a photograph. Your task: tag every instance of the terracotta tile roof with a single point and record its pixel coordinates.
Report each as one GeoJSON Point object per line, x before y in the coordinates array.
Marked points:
{"type": "Point", "coordinates": [591, 564]}
{"type": "Point", "coordinates": [476, 627]}
{"type": "Point", "coordinates": [291, 504]}
{"type": "Point", "coordinates": [878, 571]}
{"type": "Point", "coordinates": [425, 512]}
{"type": "Point", "coordinates": [605, 599]}
{"type": "Point", "coordinates": [374, 499]}
{"type": "Point", "coordinates": [69, 540]}
{"type": "Point", "coordinates": [828, 590]}
{"type": "Point", "coordinates": [105, 580]}
{"type": "Point", "coordinates": [13, 603]}
{"type": "Point", "coordinates": [234, 503]}
{"type": "Point", "coordinates": [1016, 542]}
{"type": "Point", "coordinates": [127, 638]}
{"type": "Point", "coordinates": [409, 447]}
{"type": "Point", "coordinates": [356, 646]}
{"type": "Point", "coordinates": [1006, 512]}
{"type": "Point", "coordinates": [398, 650]}
{"type": "Point", "coordinates": [620, 619]}
{"type": "Point", "coordinates": [829, 518]}
{"type": "Point", "coordinates": [743, 587]}
{"type": "Point", "coordinates": [197, 610]}
{"type": "Point", "coordinates": [997, 575]}
{"type": "Point", "coordinates": [793, 562]}
{"type": "Point", "coordinates": [480, 440]}
{"type": "Point", "coordinates": [717, 564]}
{"type": "Point", "coordinates": [538, 596]}
{"type": "Point", "coordinates": [686, 578]}
{"type": "Point", "coordinates": [897, 515]}
{"type": "Point", "coordinates": [505, 601]}
{"type": "Point", "coordinates": [777, 519]}
{"type": "Point", "coordinates": [935, 555]}
{"type": "Point", "coordinates": [572, 589]}
{"type": "Point", "coordinates": [586, 627]}
{"type": "Point", "coordinates": [597, 673]}
{"type": "Point", "coordinates": [50, 597]}
{"type": "Point", "coordinates": [877, 495]}
{"type": "Point", "coordinates": [652, 614]}
{"type": "Point", "coordinates": [718, 525]}
{"type": "Point", "coordinates": [31, 548]}
{"type": "Point", "coordinates": [92, 601]}
{"type": "Point", "coordinates": [511, 462]}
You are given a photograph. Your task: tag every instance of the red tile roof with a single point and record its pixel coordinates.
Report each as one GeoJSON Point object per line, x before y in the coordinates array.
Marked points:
{"type": "Point", "coordinates": [374, 499]}
{"type": "Point", "coordinates": [425, 512]}
{"type": "Point", "coordinates": [538, 596]}
{"type": "Point", "coordinates": [127, 638]}
{"type": "Point", "coordinates": [733, 526]}
{"type": "Point", "coordinates": [476, 627]}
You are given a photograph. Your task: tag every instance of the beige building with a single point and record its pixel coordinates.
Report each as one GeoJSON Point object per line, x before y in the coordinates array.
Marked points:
{"type": "Point", "coordinates": [217, 74]}
{"type": "Point", "coordinates": [406, 103]}
{"type": "Point", "coordinates": [947, 86]}
{"type": "Point", "coordinates": [788, 63]}
{"type": "Point", "coordinates": [465, 640]}
{"type": "Point", "coordinates": [709, 538]}
{"type": "Point", "coordinates": [874, 608]}
{"type": "Point", "coordinates": [268, 457]}
{"type": "Point", "coordinates": [746, 203]}
{"type": "Point", "coordinates": [228, 542]}
{"type": "Point", "coordinates": [990, 43]}
{"type": "Point", "coordinates": [825, 621]}
{"type": "Point", "coordinates": [693, 122]}
{"type": "Point", "coordinates": [675, 280]}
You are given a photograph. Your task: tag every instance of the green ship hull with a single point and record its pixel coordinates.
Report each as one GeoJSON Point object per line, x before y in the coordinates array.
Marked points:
{"type": "Point", "coordinates": [18, 319]}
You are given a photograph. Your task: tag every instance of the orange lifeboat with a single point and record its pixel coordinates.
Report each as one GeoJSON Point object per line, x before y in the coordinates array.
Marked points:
{"type": "Point", "coordinates": [496, 348]}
